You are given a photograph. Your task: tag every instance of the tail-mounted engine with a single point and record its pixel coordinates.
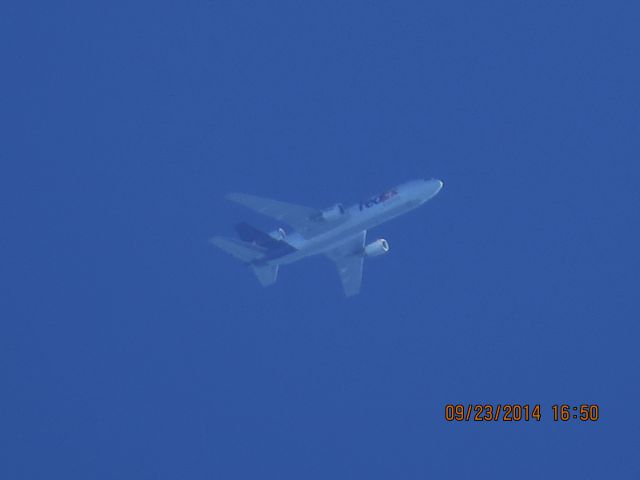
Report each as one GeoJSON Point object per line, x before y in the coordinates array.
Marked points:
{"type": "Point", "coordinates": [278, 234]}
{"type": "Point", "coordinates": [377, 247]}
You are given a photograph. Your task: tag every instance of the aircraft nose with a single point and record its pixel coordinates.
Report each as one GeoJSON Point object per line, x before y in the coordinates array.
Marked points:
{"type": "Point", "coordinates": [433, 186]}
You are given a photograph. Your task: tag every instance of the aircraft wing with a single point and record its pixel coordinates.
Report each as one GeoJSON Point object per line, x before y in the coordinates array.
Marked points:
{"type": "Point", "coordinates": [349, 260]}
{"type": "Point", "coordinates": [299, 217]}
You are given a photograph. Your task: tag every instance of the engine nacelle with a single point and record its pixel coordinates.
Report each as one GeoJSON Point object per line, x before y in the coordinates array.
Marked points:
{"type": "Point", "coordinates": [377, 247]}
{"type": "Point", "coordinates": [278, 234]}
{"type": "Point", "coordinates": [333, 213]}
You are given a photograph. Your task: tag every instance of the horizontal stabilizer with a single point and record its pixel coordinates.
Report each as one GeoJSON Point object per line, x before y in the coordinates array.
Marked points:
{"type": "Point", "coordinates": [243, 251]}
{"type": "Point", "coordinates": [267, 274]}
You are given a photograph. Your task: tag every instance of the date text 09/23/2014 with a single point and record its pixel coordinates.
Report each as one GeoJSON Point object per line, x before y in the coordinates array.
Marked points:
{"type": "Point", "coordinates": [515, 412]}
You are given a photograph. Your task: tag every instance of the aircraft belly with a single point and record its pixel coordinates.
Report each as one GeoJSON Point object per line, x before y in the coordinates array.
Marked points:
{"type": "Point", "coordinates": [341, 238]}
{"type": "Point", "coordinates": [326, 241]}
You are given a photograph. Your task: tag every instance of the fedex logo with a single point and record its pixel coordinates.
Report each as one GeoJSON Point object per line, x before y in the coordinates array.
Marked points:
{"type": "Point", "coordinates": [383, 197]}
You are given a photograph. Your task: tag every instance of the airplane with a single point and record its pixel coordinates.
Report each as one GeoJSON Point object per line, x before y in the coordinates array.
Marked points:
{"type": "Point", "coordinates": [337, 232]}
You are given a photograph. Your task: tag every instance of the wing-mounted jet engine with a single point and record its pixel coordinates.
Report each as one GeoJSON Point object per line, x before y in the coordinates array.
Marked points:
{"type": "Point", "coordinates": [333, 213]}
{"type": "Point", "coordinates": [377, 247]}
{"type": "Point", "coordinates": [336, 232]}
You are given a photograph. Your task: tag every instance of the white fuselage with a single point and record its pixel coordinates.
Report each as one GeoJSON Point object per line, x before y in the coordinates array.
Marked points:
{"type": "Point", "coordinates": [361, 216]}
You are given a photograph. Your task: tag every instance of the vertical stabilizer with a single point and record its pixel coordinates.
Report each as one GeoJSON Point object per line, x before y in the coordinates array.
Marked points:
{"type": "Point", "coordinates": [267, 274]}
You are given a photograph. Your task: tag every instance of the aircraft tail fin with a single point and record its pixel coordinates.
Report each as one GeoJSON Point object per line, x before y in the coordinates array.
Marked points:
{"type": "Point", "coordinates": [267, 274]}
{"type": "Point", "coordinates": [247, 253]}
{"type": "Point", "coordinates": [243, 251]}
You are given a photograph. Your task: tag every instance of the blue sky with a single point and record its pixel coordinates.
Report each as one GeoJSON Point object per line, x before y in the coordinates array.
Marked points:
{"type": "Point", "coordinates": [130, 348]}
